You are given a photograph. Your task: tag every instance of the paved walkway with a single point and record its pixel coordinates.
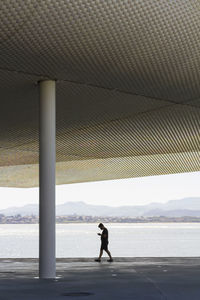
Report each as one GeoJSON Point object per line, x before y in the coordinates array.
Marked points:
{"type": "Point", "coordinates": [131, 278]}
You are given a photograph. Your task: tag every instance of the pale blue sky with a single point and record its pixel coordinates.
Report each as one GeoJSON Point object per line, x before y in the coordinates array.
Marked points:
{"type": "Point", "coordinates": [136, 191]}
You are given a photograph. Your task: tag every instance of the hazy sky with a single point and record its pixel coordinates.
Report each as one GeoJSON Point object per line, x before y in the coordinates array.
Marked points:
{"type": "Point", "coordinates": [134, 191]}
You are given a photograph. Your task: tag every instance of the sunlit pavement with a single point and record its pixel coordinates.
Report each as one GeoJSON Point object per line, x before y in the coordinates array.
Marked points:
{"type": "Point", "coordinates": [125, 278]}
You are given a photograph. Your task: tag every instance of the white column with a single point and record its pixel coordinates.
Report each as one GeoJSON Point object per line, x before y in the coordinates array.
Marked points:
{"type": "Point", "coordinates": [47, 157]}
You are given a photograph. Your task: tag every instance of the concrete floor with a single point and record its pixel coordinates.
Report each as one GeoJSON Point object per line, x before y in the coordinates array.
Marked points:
{"type": "Point", "coordinates": [126, 278]}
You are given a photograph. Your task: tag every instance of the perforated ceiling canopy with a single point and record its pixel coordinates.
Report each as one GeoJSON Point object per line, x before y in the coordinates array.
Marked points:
{"type": "Point", "coordinates": [128, 87]}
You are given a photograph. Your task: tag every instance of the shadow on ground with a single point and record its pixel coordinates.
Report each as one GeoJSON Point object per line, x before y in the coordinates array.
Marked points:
{"type": "Point", "coordinates": [125, 278]}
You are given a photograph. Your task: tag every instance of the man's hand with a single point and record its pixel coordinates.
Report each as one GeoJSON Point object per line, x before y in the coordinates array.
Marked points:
{"type": "Point", "coordinates": [99, 234]}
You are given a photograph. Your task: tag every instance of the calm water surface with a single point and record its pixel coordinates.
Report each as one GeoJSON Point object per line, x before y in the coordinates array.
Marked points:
{"type": "Point", "coordinates": [81, 240]}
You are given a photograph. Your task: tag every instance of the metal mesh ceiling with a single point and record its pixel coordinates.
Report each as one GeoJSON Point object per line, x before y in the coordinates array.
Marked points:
{"type": "Point", "coordinates": [128, 92]}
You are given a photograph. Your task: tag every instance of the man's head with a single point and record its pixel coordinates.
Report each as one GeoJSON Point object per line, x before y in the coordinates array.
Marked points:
{"type": "Point", "coordinates": [101, 226]}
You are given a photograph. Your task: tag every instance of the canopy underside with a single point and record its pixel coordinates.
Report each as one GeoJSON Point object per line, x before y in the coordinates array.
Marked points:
{"type": "Point", "coordinates": [128, 92]}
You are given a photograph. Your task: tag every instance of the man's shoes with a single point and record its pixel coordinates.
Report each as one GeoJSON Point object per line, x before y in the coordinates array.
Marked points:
{"type": "Point", "coordinates": [98, 260]}
{"type": "Point", "coordinates": [110, 260]}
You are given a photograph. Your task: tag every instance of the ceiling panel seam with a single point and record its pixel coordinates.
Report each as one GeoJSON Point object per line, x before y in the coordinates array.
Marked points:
{"type": "Point", "coordinates": [113, 89]}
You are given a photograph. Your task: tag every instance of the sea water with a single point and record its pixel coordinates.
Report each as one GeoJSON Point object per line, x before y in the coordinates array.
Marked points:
{"type": "Point", "coordinates": [125, 240]}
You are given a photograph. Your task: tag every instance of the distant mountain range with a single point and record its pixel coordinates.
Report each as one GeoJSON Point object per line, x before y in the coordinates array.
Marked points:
{"type": "Point", "coordinates": [173, 208]}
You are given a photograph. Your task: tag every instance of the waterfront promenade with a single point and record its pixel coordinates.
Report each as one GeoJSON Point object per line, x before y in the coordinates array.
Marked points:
{"type": "Point", "coordinates": [126, 278]}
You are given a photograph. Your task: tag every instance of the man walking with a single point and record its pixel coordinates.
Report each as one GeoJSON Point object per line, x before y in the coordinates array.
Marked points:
{"type": "Point", "coordinates": [104, 243]}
